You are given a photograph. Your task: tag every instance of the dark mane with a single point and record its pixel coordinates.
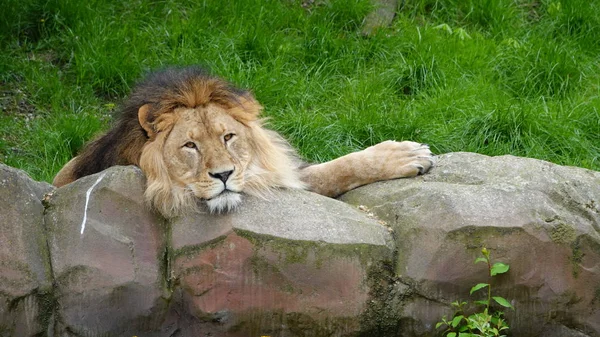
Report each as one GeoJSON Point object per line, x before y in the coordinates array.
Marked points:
{"type": "Point", "coordinates": [164, 90]}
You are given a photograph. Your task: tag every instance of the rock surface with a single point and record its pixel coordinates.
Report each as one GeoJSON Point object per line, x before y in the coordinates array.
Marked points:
{"type": "Point", "coordinates": [296, 264]}
{"type": "Point", "coordinates": [108, 256]}
{"type": "Point", "coordinates": [25, 281]}
{"type": "Point", "coordinates": [382, 16]}
{"type": "Point", "coordinates": [96, 262]}
{"type": "Point", "coordinates": [541, 219]}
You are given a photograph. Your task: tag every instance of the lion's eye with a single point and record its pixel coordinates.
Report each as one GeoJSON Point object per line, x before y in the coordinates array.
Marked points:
{"type": "Point", "coordinates": [228, 136]}
{"type": "Point", "coordinates": [190, 145]}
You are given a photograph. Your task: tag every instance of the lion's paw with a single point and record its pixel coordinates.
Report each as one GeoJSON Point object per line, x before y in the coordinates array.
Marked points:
{"type": "Point", "coordinates": [393, 159]}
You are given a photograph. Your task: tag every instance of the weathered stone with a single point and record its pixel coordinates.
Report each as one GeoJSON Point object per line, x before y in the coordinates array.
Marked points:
{"type": "Point", "coordinates": [382, 16]}
{"type": "Point", "coordinates": [295, 265]}
{"type": "Point", "coordinates": [561, 331]}
{"type": "Point", "coordinates": [108, 256]}
{"type": "Point", "coordinates": [540, 218]}
{"type": "Point", "coordinates": [25, 280]}
{"type": "Point", "coordinates": [300, 264]}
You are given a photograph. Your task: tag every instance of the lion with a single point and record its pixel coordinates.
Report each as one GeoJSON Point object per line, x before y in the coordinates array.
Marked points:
{"type": "Point", "coordinates": [199, 141]}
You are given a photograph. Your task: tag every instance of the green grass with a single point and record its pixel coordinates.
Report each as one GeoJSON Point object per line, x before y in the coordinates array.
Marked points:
{"type": "Point", "coordinates": [490, 76]}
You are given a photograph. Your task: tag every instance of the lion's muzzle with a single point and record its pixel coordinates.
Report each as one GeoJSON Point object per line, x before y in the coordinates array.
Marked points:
{"type": "Point", "coordinates": [225, 202]}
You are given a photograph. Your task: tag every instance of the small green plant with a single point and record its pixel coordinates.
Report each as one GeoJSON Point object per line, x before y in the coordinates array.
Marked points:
{"type": "Point", "coordinates": [485, 323]}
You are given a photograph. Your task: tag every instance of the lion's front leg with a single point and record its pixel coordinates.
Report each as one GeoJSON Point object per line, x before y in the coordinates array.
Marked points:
{"type": "Point", "coordinates": [386, 160]}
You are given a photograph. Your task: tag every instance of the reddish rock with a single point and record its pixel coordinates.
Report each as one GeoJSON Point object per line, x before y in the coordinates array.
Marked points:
{"type": "Point", "coordinates": [298, 271]}
{"type": "Point", "coordinates": [298, 266]}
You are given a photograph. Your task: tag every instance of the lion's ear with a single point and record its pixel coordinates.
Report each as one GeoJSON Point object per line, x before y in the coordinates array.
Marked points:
{"type": "Point", "coordinates": [251, 105]}
{"type": "Point", "coordinates": [246, 110]}
{"type": "Point", "coordinates": [144, 119]}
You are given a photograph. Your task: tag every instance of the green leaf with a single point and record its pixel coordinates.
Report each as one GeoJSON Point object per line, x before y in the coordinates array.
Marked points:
{"type": "Point", "coordinates": [499, 268]}
{"type": "Point", "coordinates": [482, 302]}
{"type": "Point", "coordinates": [481, 259]}
{"type": "Point", "coordinates": [456, 320]}
{"type": "Point", "coordinates": [503, 302]}
{"type": "Point", "coordinates": [438, 325]}
{"type": "Point", "coordinates": [452, 334]}
{"type": "Point", "coordinates": [478, 286]}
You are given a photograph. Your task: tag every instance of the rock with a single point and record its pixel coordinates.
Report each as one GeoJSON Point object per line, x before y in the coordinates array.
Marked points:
{"type": "Point", "coordinates": [561, 331]}
{"type": "Point", "coordinates": [541, 219]}
{"type": "Point", "coordinates": [94, 261]}
{"type": "Point", "coordinates": [381, 16]}
{"type": "Point", "coordinates": [295, 265]}
{"type": "Point", "coordinates": [25, 282]}
{"type": "Point", "coordinates": [108, 256]}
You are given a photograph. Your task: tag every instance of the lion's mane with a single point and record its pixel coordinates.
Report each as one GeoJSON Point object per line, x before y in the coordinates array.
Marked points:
{"type": "Point", "coordinates": [274, 163]}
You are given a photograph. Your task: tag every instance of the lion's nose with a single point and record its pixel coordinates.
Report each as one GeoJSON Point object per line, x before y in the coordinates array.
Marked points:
{"type": "Point", "coordinates": [223, 176]}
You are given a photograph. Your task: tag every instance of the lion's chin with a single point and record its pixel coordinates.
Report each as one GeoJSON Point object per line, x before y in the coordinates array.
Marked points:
{"type": "Point", "coordinates": [224, 202]}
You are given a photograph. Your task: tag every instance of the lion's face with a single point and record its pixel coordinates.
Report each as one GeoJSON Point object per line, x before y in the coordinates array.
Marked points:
{"type": "Point", "coordinates": [207, 153]}
{"type": "Point", "coordinates": [205, 144]}
{"type": "Point", "coordinates": [204, 153]}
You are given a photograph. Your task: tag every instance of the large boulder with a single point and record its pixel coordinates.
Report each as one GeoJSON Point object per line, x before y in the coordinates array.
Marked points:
{"type": "Point", "coordinates": [296, 264]}
{"type": "Point", "coordinates": [109, 256]}
{"type": "Point", "coordinates": [25, 283]}
{"type": "Point", "coordinates": [541, 219]}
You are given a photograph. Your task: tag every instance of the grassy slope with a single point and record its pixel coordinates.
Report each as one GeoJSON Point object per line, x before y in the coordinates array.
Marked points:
{"type": "Point", "coordinates": [490, 76]}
